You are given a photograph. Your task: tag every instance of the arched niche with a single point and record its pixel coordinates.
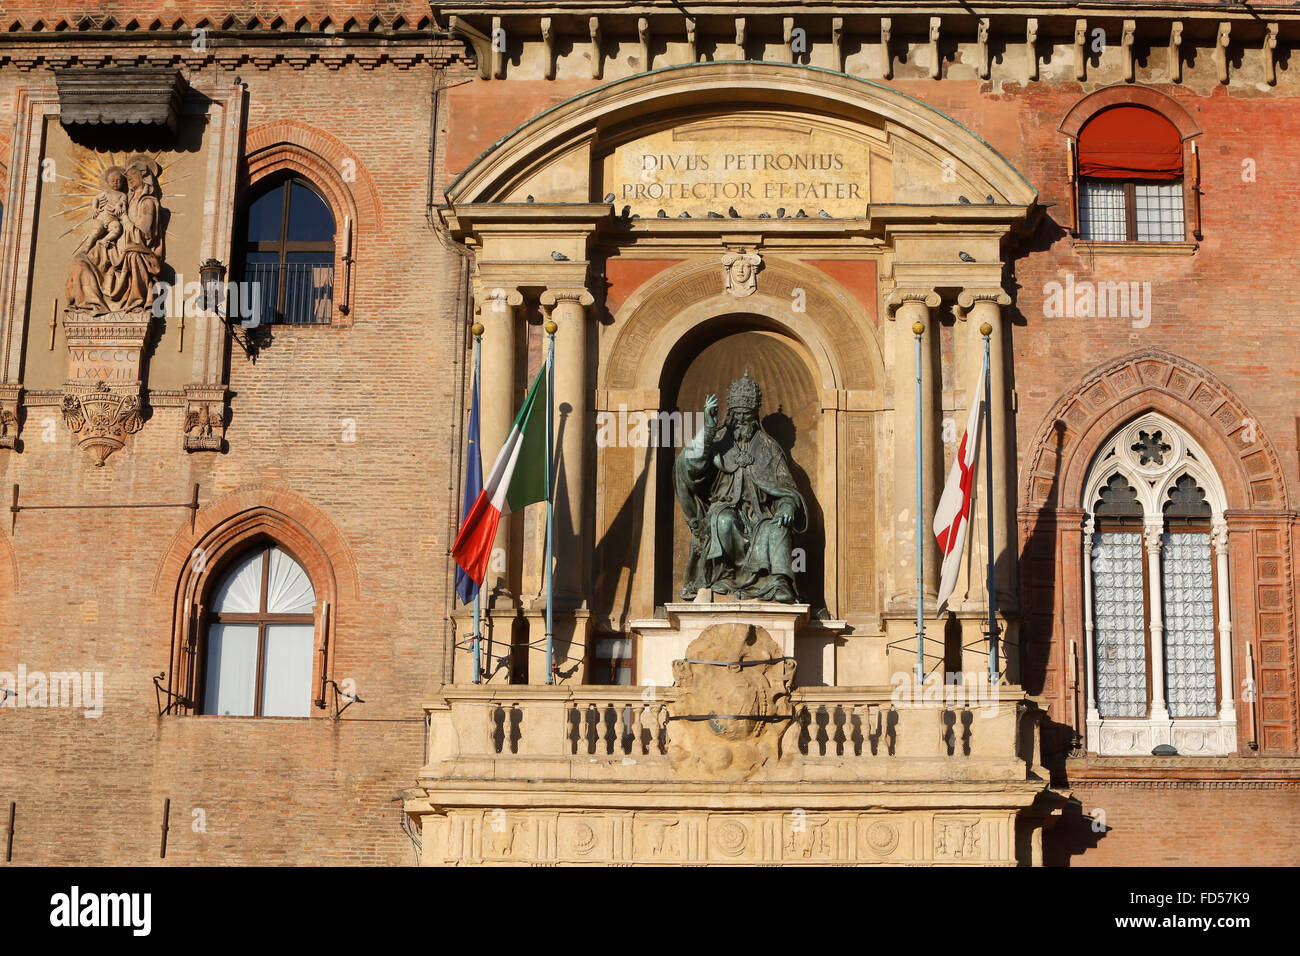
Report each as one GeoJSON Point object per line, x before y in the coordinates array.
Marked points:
{"type": "Point", "coordinates": [708, 361]}
{"type": "Point", "coordinates": [825, 363]}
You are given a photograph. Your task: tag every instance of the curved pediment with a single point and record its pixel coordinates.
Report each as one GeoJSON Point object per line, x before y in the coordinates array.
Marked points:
{"type": "Point", "coordinates": [707, 137]}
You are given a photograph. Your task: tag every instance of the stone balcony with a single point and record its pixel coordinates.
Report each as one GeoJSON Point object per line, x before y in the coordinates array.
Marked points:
{"type": "Point", "coordinates": [528, 774]}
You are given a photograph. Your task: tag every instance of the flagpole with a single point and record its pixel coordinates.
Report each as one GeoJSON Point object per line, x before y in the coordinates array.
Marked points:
{"type": "Point", "coordinates": [478, 588]}
{"type": "Point", "coordinates": [551, 328]}
{"type": "Point", "coordinates": [918, 328]}
{"type": "Point", "coordinates": [986, 330]}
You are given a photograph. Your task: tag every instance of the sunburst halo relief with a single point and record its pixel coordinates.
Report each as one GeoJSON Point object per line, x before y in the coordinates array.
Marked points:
{"type": "Point", "coordinates": [88, 180]}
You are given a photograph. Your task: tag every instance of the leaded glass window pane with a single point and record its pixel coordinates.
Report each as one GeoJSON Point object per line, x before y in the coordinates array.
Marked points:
{"type": "Point", "coordinates": [1187, 578]}
{"type": "Point", "coordinates": [1101, 211]}
{"type": "Point", "coordinates": [1119, 623]}
{"type": "Point", "coordinates": [1159, 212]}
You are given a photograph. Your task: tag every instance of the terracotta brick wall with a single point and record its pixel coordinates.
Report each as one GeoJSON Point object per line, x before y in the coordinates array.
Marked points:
{"type": "Point", "coordinates": [292, 791]}
{"type": "Point", "coordinates": [92, 790]}
{"type": "Point", "coordinates": [1155, 823]}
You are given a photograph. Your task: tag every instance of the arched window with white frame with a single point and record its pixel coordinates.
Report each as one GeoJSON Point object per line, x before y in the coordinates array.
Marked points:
{"type": "Point", "coordinates": [1157, 621]}
{"type": "Point", "coordinates": [258, 655]}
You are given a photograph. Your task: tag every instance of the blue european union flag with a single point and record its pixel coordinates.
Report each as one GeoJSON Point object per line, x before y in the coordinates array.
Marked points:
{"type": "Point", "coordinates": [466, 589]}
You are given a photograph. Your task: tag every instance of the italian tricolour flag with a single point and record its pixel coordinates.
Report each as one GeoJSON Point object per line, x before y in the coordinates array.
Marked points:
{"type": "Point", "coordinates": [952, 516]}
{"type": "Point", "coordinates": [518, 478]}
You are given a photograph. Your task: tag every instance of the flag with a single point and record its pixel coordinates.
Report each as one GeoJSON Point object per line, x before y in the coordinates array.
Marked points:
{"type": "Point", "coordinates": [518, 478]}
{"type": "Point", "coordinates": [952, 516]}
{"type": "Point", "coordinates": [467, 588]}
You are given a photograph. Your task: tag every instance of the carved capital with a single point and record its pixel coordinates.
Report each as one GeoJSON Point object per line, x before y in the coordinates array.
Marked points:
{"type": "Point", "coordinates": [496, 299]}
{"type": "Point", "coordinates": [1219, 535]}
{"type": "Point", "coordinates": [967, 299]}
{"type": "Point", "coordinates": [553, 297]}
{"type": "Point", "coordinates": [1153, 534]}
{"type": "Point", "coordinates": [900, 297]}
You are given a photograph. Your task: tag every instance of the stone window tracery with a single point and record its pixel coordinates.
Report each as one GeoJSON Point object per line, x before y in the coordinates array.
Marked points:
{"type": "Point", "coordinates": [1156, 615]}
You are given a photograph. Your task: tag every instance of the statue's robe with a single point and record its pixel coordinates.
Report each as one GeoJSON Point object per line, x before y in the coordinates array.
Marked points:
{"type": "Point", "coordinates": [732, 499]}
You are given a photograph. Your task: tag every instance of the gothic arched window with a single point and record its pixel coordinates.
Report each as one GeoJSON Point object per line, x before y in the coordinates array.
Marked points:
{"type": "Point", "coordinates": [289, 254]}
{"type": "Point", "coordinates": [260, 638]}
{"type": "Point", "coordinates": [1156, 617]}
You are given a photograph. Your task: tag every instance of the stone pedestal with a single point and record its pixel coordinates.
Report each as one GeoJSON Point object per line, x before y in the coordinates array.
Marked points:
{"type": "Point", "coordinates": [497, 627]}
{"type": "Point", "coordinates": [664, 640]}
{"type": "Point", "coordinates": [572, 629]}
{"type": "Point", "coordinates": [102, 396]}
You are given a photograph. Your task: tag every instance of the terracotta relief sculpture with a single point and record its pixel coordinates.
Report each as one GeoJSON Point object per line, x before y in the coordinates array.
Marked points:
{"type": "Point", "coordinates": [119, 258]}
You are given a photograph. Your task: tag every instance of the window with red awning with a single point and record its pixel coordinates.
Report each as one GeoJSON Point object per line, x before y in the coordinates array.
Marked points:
{"type": "Point", "coordinates": [1130, 142]}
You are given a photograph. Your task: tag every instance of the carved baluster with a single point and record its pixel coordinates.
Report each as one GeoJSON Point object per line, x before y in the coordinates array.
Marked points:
{"type": "Point", "coordinates": [591, 729]}
{"type": "Point", "coordinates": [620, 728]}
{"type": "Point", "coordinates": [572, 729]}
{"type": "Point", "coordinates": [661, 718]}
{"type": "Point", "coordinates": [496, 730]}
{"type": "Point", "coordinates": [650, 726]}
{"type": "Point", "coordinates": [635, 728]}
{"type": "Point", "coordinates": [840, 721]}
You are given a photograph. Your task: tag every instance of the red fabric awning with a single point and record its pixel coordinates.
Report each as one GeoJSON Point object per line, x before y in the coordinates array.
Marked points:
{"type": "Point", "coordinates": [1130, 142]}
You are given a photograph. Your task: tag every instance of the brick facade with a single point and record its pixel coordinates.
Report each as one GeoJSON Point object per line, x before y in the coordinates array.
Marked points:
{"type": "Point", "coordinates": [344, 442]}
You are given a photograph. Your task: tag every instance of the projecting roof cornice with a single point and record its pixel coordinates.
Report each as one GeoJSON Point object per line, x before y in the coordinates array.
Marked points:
{"type": "Point", "coordinates": [546, 40]}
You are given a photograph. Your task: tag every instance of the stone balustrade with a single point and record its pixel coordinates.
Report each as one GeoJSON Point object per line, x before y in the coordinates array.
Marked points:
{"type": "Point", "coordinates": [627, 732]}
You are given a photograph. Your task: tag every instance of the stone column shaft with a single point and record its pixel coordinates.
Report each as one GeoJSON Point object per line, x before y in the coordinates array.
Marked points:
{"type": "Point", "coordinates": [1227, 691]}
{"type": "Point", "coordinates": [1153, 538]}
{"type": "Point", "coordinates": [568, 310]}
{"type": "Point", "coordinates": [978, 307]}
{"type": "Point", "coordinates": [499, 314]}
{"type": "Point", "coordinates": [909, 307]}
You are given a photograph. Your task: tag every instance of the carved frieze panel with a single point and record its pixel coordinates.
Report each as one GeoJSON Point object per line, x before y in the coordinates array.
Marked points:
{"type": "Point", "coordinates": [573, 836]}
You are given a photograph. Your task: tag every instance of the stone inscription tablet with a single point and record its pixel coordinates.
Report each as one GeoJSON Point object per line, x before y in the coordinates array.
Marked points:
{"type": "Point", "coordinates": [751, 168]}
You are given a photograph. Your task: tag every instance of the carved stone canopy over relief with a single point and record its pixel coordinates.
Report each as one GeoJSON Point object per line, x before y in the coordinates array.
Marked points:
{"type": "Point", "coordinates": [732, 712]}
